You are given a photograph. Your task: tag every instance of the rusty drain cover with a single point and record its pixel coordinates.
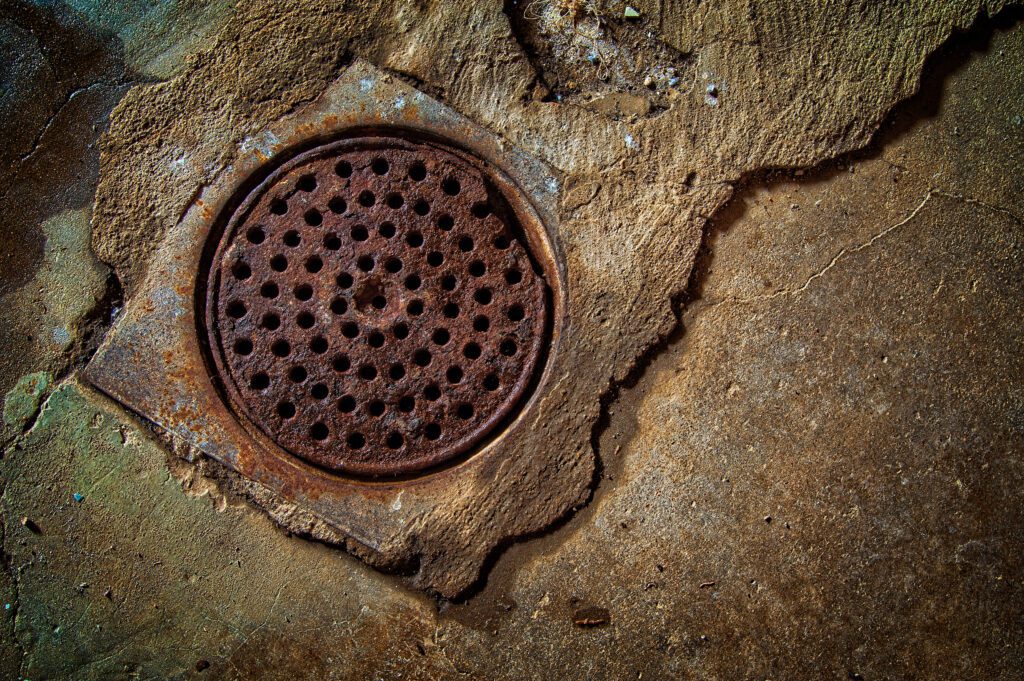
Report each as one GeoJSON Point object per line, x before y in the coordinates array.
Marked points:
{"type": "Point", "coordinates": [373, 307]}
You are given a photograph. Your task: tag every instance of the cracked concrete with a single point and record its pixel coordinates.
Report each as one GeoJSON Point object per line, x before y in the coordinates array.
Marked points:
{"type": "Point", "coordinates": [818, 474]}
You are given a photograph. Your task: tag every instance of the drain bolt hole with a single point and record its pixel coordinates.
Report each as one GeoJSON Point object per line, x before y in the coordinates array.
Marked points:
{"type": "Point", "coordinates": [344, 280]}
{"type": "Point", "coordinates": [314, 264]}
{"type": "Point", "coordinates": [341, 364]}
{"type": "Point", "coordinates": [236, 309]}
{"type": "Point", "coordinates": [471, 351]}
{"type": "Point", "coordinates": [464, 411]}
{"type": "Point", "coordinates": [319, 431]}
{"type": "Point", "coordinates": [359, 233]}
{"type": "Point", "coordinates": [432, 392]}
{"type": "Point", "coordinates": [513, 276]}
{"type": "Point", "coordinates": [318, 345]}
{"type": "Point", "coordinates": [386, 230]}
{"type": "Point", "coordinates": [446, 223]}
{"type": "Point", "coordinates": [303, 292]}
{"type": "Point", "coordinates": [481, 210]}
{"type": "Point", "coordinates": [375, 408]}
{"type": "Point", "coordinates": [241, 271]}
{"type": "Point", "coordinates": [291, 238]}
{"type": "Point", "coordinates": [421, 207]}
{"type": "Point", "coordinates": [305, 320]}
{"type": "Point", "coordinates": [421, 357]}
{"type": "Point", "coordinates": [307, 183]}
{"type": "Point", "coordinates": [379, 302]}
{"type": "Point", "coordinates": [516, 313]}
{"type": "Point", "coordinates": [413, 282]}
{"type": "Point", "coordinates": [269, 290]}
{"type": "Point", "coordinates": [401, 331]}
{"type": "Point", "coordinates": [441, 336]}
{"type": "Point", "coordinates": [337, 205]}
{"type": "Point", "coordinates": [319, 391]}
{"type": "Point", "coordinates": [396, 372]}
{"type": "Point", "coordinates": [256, 235]}
{"type": "Point", "coordinates": [313, 217]}
{"type": "Point", "coordinates": [286, 410]}
{"type": "Point", "coordinates": [394, 201]}
{"type": "Point", "coordinates": [435, 258]}
{"type": "Point", "coordinates": [367, 372]}
{"type": "Point", "coordinates": [491, 382]}
{"type": "Point", "coordinates": [367, 199]}
{"type": "Point", "coordinates": [343, 169]}
{"type": "Point", "coordinates": [415, 307]}
{"type": "Point", "coordinates": [350, 329]}
{"type": "Point", "coordinates": [278, 207]}
{"type": "Point", "coordinates": [449, 282]}
{"type": "Point", "coordinates": [508, 347]}
{"type": "Point", "coordinates": [414, 239]}
{"type": "Point", "coordinates": [243, 347]}
{"type": "Point", "coordinates": [347, 404]}
{"type": "Point", "coordinates": [406, 403]}
{"type": "Point", "coordinates": [451, 186]}
{"type": "Point", "coordinates": [482, 296]}
{"type": "Point", "coordinates": [477, 268]}
{"type": "Point", "coordinates": [432, 431]}
{"type": "Point", "coordinates": [281, 348]}
{"type": "Point", "coordinates": [454, 375]}
{"type": "Point", "coordinates": [417, 172]}
{"type": "Point", "coordinates": [259, 381]}
{"type": "Point", "coordinates": [339, 306]}
{"type": "Point", "coordinates": [279, 263]}
{"type": "Point", "coordinates": [451, 310]}
{"type": "Point", "coordinates": [481, 323]}
{"type": "Point", "coordinates": [395, 440]}
{"type": "Point", "coordinates": [501, 242]}
{"type": "Point", "coordinates": [365, 263]}
{"type": "Point", "coordinates": [393, 265]}
{"type": "Point", "coordinates": [379, 166]}
{"type": "Point", "coordinates": [356, 440]}
{"type": "Point", "coordinates": [297, 374]}
{"type": "Point", "coordinates": [466, 244]}
{"type": "Point", "coordinates": [375, 339]}
{"type": "Point", "coordinates": [271, 321]}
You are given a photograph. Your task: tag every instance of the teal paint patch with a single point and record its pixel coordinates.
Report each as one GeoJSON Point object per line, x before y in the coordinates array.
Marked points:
{"type": "Point", "coordinates": [22, 401]}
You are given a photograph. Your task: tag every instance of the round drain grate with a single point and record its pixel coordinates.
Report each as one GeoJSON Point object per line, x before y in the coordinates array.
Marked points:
{"type": "Point", "coordinates": [372, 306]}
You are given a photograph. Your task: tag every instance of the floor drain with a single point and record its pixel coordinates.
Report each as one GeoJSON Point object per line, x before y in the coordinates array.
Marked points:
{"type": "Point", "coordinates": [373, 306]}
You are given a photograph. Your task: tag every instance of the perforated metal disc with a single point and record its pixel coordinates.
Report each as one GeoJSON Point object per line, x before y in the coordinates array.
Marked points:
{"type": "Point", "coordinates": [373, 308]}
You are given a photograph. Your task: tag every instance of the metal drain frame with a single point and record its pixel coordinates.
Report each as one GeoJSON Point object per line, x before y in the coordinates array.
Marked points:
{"type": "Point", "coordinates": [152, 361]}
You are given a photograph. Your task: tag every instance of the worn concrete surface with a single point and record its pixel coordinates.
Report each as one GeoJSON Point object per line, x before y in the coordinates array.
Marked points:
{"type": "Point", "coordinates": [818, 476]}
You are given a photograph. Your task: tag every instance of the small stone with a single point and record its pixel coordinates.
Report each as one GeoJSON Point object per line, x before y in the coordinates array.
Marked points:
{"type": "Point", "coordinates": [591, 616]}
{"type": "Point", "coordinates": [30, 525]}
{"type": "Point", "coordinates": [767, 518]}
{"type": "Point", "coordinates": [631, 13]}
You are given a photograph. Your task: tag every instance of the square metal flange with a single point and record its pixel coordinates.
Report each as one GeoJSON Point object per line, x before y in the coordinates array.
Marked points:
{"type": "Point", "coordinates": [446, 522]}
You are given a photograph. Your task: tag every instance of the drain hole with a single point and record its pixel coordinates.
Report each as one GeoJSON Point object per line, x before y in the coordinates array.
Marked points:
{"type": "Point", "coordinates": [285, 410]}
{"type": "Point", "coordinates": [297, 374]}
{"type": "Point", "coordinates": [303, 292]}
{"type": "Point", "coordinates": [365, 263]}
{"type": "Point", "coordinates": [395, 440]}
{"type": "Point", "coordinates": [454, 375]}
{"type": "Point", "coordinates": [259, 381]}
{"type": "Point", "coordinates": [435, 258]}
{"type": "Point", "coordinates": [471, 351]}
{"type": "Point", "coordinates": [375, 339]}
{"type": "Point", "coordinates": [306, 183]}
{"type": "Point", "coordinates": [344, 280]}
{"type": "Point", "coordinates": [256, 235]}
{"type": "Point", "coordinates": [278, 207]}
{"type": "Point", "coordinates": [449, 282]}
{"type": "Point", "coordinates": [337, 205]}
{"type": "Point", "coordinates": [451, 310]}
{"type": "Point", "coordinates": [319, 391]}
{"type": "Point", "coordinates": [350, 329]}
{"type": "Point", "coordinates": [417, 172]}
{"type": "Point", "coordinates": [401, 331]}
{"type": "Point", "coordinates": [406, 403]}
{"type": "Point", "coordinates": [421, 357]}
{"type": "Point", "coordinates": [313, 217]}
{"type": "Point", "coordinates": [318, 345]}
{"type": "Point", "coordinates": [236, 309]}
{"type": "Point", "coordinates": [491, 382]}
{"type": "Point", "coordinates": [464, 411]}
{"type": "Point", "coordinates": [375, 408]}
{"type": "Point", "coordinates": [482, 296]}
{"type": "Point", "coordinates": [347, 404]}
{"type": "Point", "coordinates": [501, 242]}
{"type": "Point", "coordinates": [432, 431]}
{"type": "Point", "coordinates": [421, 207]}
{"type": "Point", "coordinates": [481, 210]}
{"type": "Point", "coordinates": [279, 263]}
{"type": "Point", "coordinates": [341, 364]}
{"type": "Point", "coordinates": [269, 290]}
{"type": "Point", "coordinates": [379, 302]}
{"type": "Point", "coordinates": [414, 239]}
{"type": "Point", "coordinates": [516, 313]}
{"type": "Point", "coordinates": [305, 320]}
{"type": "Point", "coordinates": [270, 321]}
{"type": "Point", "coordinates": [332, 242]}
{"type": "Point", "coordinates": [314, 264]}
{"type": "Point", "coordinates": [339, 306]}
{"type": "Point", "coordinates": [241, 271]}
{"type": "Point", "coordinates": [343, 169]}
{"type": "Point", "coordinates": [379, 166]}
{"type": "Point", "coordinates": [415, 307]}
{"type": "Point", "coordinates": [394, 201]}
{"type": "Point", "coordinates": [386, 230]}
{"type": "Point", "coordinates": [396, 372]}
{"type": "Point", "coordinates": [367, 372]}
{"type": "Point", "coordinates": [481, 323]}
{"type": "Point", "coordinates": [319, 431]}
{"type": "Point", "coordinates": [513, 276]}
{"type": "Point", "coordinates": [413, 282]}
{"type": "Point", "coordinates": [432, 392]}
{"type": "Point", "coordinates": [356, 440]}
{"type": "Point", "coordinates": [451, 186]}
{"type": "Point", "coordinates": [359, 233]}
{"type": "Point", "coordinates": [366, 198]}
{"type": "Point", "coordinates": [445, 223]}
{"type": "Point", "coordinates": [477, 268]}
{"type": "Point", "coordinates": [441, 336]}
{"type": "Point", "coordinates": [393, 265]}
{"type": "Point", "coordinates": [465, 244]}
{"type": "Point", "coordinates": [291, 238]}
{"type": "Point", "coordinates": [508, 347]}
{"type": "Point", "coordinates": [243, 347]}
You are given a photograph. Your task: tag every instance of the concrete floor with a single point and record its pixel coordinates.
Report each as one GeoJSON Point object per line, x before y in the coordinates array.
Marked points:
{"type": "Point", "coordinates": [817, 475]}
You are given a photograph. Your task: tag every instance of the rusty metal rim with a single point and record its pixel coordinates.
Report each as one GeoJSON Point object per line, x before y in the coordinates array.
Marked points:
{"type": "Point", "coordinates": [524, 223]}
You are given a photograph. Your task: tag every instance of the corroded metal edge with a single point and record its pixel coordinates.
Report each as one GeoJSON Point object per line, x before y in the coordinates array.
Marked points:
{"type": "Point", "coordinates": [151, 361]}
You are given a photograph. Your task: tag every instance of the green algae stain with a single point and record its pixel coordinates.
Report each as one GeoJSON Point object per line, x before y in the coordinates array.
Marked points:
{"type": "Point", "coordinates": [22, 402]}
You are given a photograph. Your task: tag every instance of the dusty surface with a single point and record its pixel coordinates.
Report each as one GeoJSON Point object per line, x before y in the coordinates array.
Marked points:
{"type": "Point", "coordinates": [818, 476]}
